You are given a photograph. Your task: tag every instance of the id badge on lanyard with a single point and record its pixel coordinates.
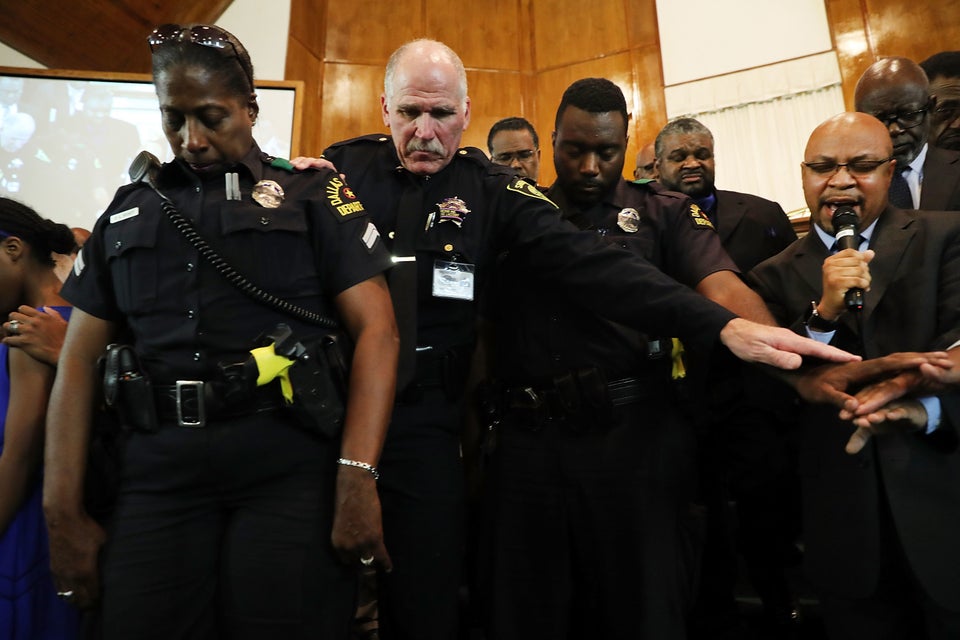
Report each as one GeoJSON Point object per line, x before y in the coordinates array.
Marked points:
{"type": "Point", "coordinates": [453, 280]}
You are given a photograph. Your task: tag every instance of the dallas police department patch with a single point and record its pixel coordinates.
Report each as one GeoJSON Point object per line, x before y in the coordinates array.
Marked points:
{"type": "Point", "coordinates": [342, 198]}
{"type": "Point", "coordinates": [699, 218]}
{"type": "Point", "coordinates": [453, 210]}
{"type": "Point", "coordinates": [521, 186]}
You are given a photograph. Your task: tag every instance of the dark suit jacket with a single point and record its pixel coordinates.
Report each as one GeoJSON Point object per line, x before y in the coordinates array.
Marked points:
{"type": "Point", "coordinates": [751, 228]}
{"type": "Point", "coordinates": [941, 180]}
{"type": "Point", "coordinates": [913, 305]}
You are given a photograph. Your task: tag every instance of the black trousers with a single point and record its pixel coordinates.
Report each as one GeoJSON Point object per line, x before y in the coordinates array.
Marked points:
{"type": "Point", "coordinates": [422, 496]}
{"type": "Point", "coordinates": [594, 534]}
{"type": "Point", "coordinates": [224, 532]}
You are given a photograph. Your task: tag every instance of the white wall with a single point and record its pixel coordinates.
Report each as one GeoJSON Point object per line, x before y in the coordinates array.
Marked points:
{"type": "Point", "coordinates": [703, 38]}
{"type": "Point", "coordinates": [261, 25]}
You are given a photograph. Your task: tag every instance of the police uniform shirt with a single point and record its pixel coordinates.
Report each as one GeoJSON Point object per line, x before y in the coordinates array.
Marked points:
{"type": "Point", "coordinates": [555, 336]}
{"type": "Point", "coordinates": [138, 269]}
{"type": "Point", "coordinates": [472, 210]}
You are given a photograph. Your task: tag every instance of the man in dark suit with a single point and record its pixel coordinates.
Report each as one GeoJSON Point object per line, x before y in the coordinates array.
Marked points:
{"type": "Point", "coordinates": [751, 228]}
{"type": "Point", "coordinates": [744, 453]}
{"type": "Point", "coordinates": [943, 72]}
{"type": "Point", "coordinates": [881, 527]}
{"type": "Point", "coordinates": [896, 91]}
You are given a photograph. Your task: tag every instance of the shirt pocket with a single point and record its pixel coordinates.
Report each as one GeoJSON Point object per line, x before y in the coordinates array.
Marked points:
{"type": "Point", "coordinates": [271, 247]}
{"type": "Point", "coordinates": [130, 247]}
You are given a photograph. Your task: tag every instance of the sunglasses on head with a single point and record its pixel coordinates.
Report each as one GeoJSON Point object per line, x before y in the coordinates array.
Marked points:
{"type": "Point", "coordinates": [203, 35]}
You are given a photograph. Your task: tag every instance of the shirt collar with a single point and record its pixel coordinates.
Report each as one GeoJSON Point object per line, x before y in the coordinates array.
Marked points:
{"type": "Point", "coordinates": [917, 163]}
{"type": "Point", "coordinates": [828, 240]}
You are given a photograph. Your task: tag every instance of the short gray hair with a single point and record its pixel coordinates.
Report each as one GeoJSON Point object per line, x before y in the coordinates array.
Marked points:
{"type": "Point", "coordinates": [423, 43]}
{"type": "Point", "coordinates": [679, 126]}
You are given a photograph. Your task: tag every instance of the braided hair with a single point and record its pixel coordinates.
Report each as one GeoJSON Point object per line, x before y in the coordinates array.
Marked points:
{"type": "Point", "coordinates": [45, 237]}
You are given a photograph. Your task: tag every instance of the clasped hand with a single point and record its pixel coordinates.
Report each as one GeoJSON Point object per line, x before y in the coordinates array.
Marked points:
{"type": "Point", "coordinates": [879, 387]}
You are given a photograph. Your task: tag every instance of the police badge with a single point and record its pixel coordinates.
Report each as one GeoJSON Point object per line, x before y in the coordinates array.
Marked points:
{"type": "Point", "coordinates": [629, 220]}
{"type": "Point", "coordinates": [453, 210]}
{"type": "Point", "coordinates": [268, 194]}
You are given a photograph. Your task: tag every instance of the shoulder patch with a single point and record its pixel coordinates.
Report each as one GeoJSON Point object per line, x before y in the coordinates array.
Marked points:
{"type": "Point", "coordinates": [521, 186]}
{"type": "Point", "coordinates": [644, 181]}
{"type": "Point", "coordinates": [341, 198]}
{"type": "Point", "coordinates": [699, 218]}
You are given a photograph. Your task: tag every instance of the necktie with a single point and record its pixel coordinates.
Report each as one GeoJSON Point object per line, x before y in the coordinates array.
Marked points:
{"type": "Point", "coordinates": [403, 280]}
{"type": "Point", "coordinates": [900, 191]}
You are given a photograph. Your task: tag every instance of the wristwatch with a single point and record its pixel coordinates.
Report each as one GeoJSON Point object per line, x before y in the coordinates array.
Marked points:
{"type": "Point", "coordinates": [816, 322]}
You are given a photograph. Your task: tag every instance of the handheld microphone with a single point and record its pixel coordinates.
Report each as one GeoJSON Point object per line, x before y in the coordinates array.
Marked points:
{"type": "Point", "coordinates": [846, 229]}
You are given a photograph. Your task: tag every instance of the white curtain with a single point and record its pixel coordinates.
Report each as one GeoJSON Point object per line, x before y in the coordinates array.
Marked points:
{"type": "Point", "coordinates": [761, 120]}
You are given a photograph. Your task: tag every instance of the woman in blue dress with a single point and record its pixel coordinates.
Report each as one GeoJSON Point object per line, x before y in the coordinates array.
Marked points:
{"type": "Point", "coordinates": [29, 607]}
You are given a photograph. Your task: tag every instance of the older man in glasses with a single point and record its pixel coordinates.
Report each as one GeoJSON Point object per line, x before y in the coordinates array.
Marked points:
{"type": "Point", "coordinates": [881, 522]}
{"type": "Point", "coordinates": [897, 92]}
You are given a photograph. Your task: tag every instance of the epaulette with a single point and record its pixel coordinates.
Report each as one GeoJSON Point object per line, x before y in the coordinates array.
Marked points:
{"type": "Point", "coordinates": [373, 138]}
{"type": "Point", "coordinates": [277, 163]}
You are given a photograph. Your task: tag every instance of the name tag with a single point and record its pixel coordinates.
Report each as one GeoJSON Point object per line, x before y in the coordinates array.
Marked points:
{"type": "Point", "coordinates": [123, 215]}
{"type": "Point", "coordinates": [453, 280]}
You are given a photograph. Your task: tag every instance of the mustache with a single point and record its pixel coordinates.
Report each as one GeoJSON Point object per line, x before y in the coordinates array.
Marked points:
{"type": "Point", "coordinates": [429, 146]}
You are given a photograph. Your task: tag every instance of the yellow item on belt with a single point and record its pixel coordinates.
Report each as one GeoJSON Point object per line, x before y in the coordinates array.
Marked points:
{"type": "Point", "coordinates": [679, 371]}
{"type": "Point", "coordinates": [270, 366]}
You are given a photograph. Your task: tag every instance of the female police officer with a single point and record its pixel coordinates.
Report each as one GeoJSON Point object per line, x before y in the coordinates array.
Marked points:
{"type": "Point", "coordinates": [221, 529]}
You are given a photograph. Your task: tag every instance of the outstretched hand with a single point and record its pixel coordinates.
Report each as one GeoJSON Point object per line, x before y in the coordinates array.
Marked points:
{"type": "Point", "coordinates": [776, 346]}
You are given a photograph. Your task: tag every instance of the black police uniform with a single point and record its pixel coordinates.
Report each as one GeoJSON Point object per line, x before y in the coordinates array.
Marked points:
{"type": "Point", "coordinates": [224, 530]}
{"type": "Point", "coordinates": [469, 212]}
{"type": "Point", "coordinates": [593, 474]}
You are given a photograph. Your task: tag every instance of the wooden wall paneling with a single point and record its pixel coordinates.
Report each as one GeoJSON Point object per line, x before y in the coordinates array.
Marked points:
{"type": "Point", "coordinates": [368, 31]}
{"type": "Point", "coordinates": [550, 87]}
{"type": "Point", "coordinates": [650, 108]}
{"type": "Point", "coordinates": [96, 35]}
{"type": "Point", "coordinates": [306, 43]}
{"type": "Point", "coordinates": [304, 65]}
{"type": "Point", "coordinates": [642, 28]}
{"type": "Point", "coordinates": [351, 102]}
{"type": "Point", "coordinates": [851, 40]}
{"type": "Point", "coordinates": [485, 35]}
{"type": "Point", "coordinates": [493, 95]}
{"type": "Point", "coordinates": [650, 113]}
{"type": "Point", "coordinates": [308, 25]}
{"type": "Point", "coordinates": [915, 29]}
{"type": "Point", "coordinates": [569, 33]}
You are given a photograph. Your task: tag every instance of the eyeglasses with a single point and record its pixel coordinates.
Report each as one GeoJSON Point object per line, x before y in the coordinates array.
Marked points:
{"type": "Point", "coordinates": [509, 156]}
{"type": "Point", "coordinates": [859, 168]}
{"type": "Point", "coordinates": [906, 120]}
{"type": "Point", "coordinates": [203, 35]}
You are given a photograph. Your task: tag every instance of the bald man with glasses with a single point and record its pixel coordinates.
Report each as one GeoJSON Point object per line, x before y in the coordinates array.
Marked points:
{"type": "Point", "coordinates": [896, 91]}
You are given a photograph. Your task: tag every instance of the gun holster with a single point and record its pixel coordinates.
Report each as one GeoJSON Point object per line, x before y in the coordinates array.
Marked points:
{"type": "Point", "coordinates": [127, 390]}
{"type": "Point", "coordinates": [318, 377]}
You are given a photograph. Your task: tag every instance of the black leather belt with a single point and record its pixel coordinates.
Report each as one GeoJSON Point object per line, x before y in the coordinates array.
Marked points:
{"type": "Point", "coordinates": [547, 403]}
{"type": "Point", "coordinates": [192, 403]}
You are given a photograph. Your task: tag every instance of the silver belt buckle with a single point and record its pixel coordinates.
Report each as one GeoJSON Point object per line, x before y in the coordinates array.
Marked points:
{"type": "Point", "coordinates": [196, 387]}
